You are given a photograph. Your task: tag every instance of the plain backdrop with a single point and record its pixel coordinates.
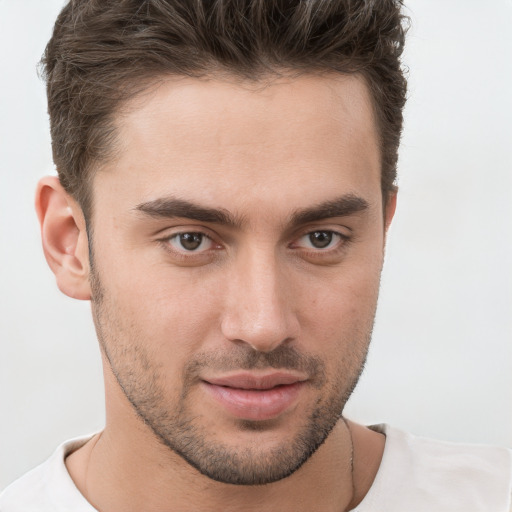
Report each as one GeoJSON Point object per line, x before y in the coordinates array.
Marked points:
{"type": "Point", "coordinates": [441, 359]}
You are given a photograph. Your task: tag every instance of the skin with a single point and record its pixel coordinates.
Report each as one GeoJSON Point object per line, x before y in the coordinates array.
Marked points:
{"type": "Point", "coordinates": [256, 289]}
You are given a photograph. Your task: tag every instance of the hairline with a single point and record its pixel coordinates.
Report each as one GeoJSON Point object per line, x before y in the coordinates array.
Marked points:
{"type": "Point", "coordinates": [264, 77]}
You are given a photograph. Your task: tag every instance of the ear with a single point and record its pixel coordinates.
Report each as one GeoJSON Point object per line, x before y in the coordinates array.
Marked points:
{"type": "Point", "coordinates": [389, 211]}
{"type": "Point", "coordinates": [64, 238]}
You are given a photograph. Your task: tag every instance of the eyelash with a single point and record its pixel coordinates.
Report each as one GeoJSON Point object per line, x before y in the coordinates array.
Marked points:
{"type": "Point", "coordinates": [332, 235]}
{"type": "Point", "coordinates": [183, 254]}
{"type": "Point", "coordinates": [343, 241]}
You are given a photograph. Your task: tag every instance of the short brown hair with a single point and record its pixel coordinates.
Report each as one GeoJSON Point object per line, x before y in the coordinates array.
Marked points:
{"type": "Point", "coordinates": [103, 52]}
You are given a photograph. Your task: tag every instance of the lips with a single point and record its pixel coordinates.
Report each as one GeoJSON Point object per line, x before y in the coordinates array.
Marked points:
{"type": "Point", "coordinates": [256, 382]}
{"type": "Point", "coordinates": [255, 397]}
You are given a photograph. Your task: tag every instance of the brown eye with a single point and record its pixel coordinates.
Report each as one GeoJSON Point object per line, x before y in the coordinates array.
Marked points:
{"type": "Point", "coordinates": [190, 242]}
{"type": "Point", "coordinates": [321, 239]}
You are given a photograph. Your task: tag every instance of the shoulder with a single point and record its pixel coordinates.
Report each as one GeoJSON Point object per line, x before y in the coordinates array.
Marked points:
{"type": "Point", "coordinates": [427, 475]}
{"type": "Point", "coordinates": [48, 487]}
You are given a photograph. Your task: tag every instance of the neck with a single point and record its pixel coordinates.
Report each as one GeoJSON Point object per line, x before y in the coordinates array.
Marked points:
{"type": "Point", "coordinates": [127, 468]}
{"type": "Point", "coordinates": [120, 470]}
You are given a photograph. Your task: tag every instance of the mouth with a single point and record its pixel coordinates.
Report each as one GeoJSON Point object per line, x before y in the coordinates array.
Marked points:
{"type": "Point", "coordinates": [256, 397]}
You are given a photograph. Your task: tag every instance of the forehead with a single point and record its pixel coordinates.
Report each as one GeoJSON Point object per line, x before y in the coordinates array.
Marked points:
{"type": "Point", "coordinates": [221, 140]}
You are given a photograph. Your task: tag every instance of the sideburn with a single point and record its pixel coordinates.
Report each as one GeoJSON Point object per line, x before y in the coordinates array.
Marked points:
{"type": "Point", "coordinates": [97, 292]}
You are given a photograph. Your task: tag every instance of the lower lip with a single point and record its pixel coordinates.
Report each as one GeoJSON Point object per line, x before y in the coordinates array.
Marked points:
{"type": "Point", "coordinates": [255, 405]}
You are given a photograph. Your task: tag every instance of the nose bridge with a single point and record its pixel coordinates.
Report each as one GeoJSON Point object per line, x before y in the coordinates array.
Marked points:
{"type": "Point", "coordinates": [258, 311]}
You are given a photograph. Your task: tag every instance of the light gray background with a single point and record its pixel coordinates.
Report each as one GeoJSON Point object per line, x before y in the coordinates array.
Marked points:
{"type": "Point", "coordinates": [441, 361]}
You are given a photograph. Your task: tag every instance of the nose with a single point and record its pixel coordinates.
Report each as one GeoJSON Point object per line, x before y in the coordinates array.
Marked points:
{"type": "Point", "coordinates": [259, 309]}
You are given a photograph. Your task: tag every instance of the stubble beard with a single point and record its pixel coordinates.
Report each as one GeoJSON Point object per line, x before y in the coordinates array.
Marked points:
{"type": "Point", "coordinates": [179, 430]}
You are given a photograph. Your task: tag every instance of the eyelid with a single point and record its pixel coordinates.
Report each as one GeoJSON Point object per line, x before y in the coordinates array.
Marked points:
{"type": "Point", "coordinates": [174, 240]}
{"type": "Point", "coordinates": [180, 229]}
{"type": "Point", "coordinates": [176, 231]}
{"type": "Point", "coordinates": [337, 239]}
{"type": "Point", "coordinates": [340, 229]}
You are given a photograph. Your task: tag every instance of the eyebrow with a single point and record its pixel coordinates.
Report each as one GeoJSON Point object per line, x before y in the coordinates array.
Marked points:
{"type": "Point", "coordinates": [168, 208]}
{"type": "Point", "coordinates": [343, 206]}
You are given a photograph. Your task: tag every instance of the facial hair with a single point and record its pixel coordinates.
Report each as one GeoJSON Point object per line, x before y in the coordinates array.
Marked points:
{"type": "Point", "coordinates": [140, 377]}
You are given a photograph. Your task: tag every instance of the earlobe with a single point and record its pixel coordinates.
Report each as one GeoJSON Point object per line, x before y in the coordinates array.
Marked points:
{"type": "Point", "coordinates": [64, 238]}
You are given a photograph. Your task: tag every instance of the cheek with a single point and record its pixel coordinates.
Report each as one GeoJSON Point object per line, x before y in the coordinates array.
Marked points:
{"type": "Point", "coordinates": [170, 310]}
{"type": "Point", "coordinates": [340, 313]}
{"type": "Point", "coordinates": [344, 295]}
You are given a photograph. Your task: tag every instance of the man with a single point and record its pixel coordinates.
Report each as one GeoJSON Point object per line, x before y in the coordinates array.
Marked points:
{"type": "Point", "coordinates": [226, 180]}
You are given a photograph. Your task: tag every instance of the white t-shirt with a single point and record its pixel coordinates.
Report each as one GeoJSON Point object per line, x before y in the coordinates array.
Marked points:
{"type": "Point", "coordinates": [415, 475]}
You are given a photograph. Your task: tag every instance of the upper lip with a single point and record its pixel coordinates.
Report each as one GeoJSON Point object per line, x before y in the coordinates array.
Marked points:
{"type": "Point", "coordinates": [254, 381]}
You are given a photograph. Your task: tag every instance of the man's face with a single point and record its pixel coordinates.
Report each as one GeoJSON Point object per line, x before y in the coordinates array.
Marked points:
{"type": "Point", "coordinates": [238, 242]}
